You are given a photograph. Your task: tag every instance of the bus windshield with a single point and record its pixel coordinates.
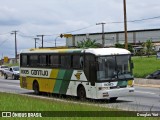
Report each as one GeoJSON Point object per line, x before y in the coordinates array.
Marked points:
{"type": "Point", "coordinates": [114, 67]}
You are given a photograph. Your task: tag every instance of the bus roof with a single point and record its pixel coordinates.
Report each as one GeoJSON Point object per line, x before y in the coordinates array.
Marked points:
{"type": "Point", "coordinates": [95, 51]}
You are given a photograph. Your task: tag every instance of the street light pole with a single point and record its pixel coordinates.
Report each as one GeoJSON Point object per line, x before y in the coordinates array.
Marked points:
{"type": "Point", "coordinates": [103, 36]}
{"type": "Point", "coordinates": [15, 33]}
{"type": "Point", "coordinates": [125, 24]}
{"type": "Point", "coordinates": [56, 40]}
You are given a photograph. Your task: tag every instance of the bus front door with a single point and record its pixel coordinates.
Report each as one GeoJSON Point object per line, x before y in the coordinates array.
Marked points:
{"type": "Point", "coordinates": [92, 77]}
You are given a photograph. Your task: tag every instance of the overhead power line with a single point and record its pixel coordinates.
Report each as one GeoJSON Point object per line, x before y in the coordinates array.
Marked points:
{"type": "Point", "coordinates": [5, 40]}
{"type": "Point", "coordinates": [118, 22]}
{"type": "Point", "coordinates": [81, 29]}
{"type": "Point", "coordinates": [5, 33]}
{"type": "Point", "coordinates": [138, 20]}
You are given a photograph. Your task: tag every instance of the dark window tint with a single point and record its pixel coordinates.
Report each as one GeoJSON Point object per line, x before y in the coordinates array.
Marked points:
{"type": "Point", "coordinates": [77, 61]}
{"type": "Point", "coordinates": [65, 61]}
{"type": "Point", "coordinates": [33, 60]}
{"type": "Point", "coordinates": [43, 60]}
{"type": "Point", "coordinates": [24, 60]}
{"type": "Point", "coordinates": [54, 60]}
{"type": "Point", "coordinates": [88, 60]}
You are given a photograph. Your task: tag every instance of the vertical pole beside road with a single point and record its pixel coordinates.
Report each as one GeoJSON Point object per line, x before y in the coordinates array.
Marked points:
{"type": "Point", "coordinates": [15, 33]}
{"type": "Point", "coordinates": [103, 35]}
{"type": "Point", "coordinates": [42, 38]}
{"type": "Point", "coordinates": [125, 25]}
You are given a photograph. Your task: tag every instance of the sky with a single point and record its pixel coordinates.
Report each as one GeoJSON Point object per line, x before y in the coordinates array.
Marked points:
{"type": "Point", "coordinates": [53, 17]}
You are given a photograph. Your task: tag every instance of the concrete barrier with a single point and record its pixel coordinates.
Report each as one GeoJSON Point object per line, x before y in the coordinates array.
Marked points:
{"type": "Point", "coordinates": [147, 82]}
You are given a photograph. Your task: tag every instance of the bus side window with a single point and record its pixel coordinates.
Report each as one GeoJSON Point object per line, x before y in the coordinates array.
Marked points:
{"type": "Point", "coordinates": [76, 61]}
{"type": "Point", "coordinates": [43, 60]}
{"type": "Point", "coordinates": [54, 61]}
{"type": "Point", "coordinates": [65, 61]}
{"type": "Point", "coordinates": [23, 60]}
{"type": "Point", "coordinates": [34, 60]}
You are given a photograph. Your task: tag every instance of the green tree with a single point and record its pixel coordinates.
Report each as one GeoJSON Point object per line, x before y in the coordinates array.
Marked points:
{"type": "Point", "coordinates": [148, 47]}
{"type": "Point", "coordinates": [88, 44]}
{"type": "Point", "coordinates": [130, 47]}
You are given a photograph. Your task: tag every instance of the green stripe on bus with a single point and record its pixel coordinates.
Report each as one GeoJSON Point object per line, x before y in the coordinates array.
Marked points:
{"type": "Point", "coordinates": [77, 51]}
{"type": "Point", "coordinates": [66, 81]}
{"type": "Point", "coordinates": [59, 79]}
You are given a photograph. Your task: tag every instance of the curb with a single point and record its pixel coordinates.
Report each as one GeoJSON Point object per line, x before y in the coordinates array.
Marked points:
{"type": "Point", "coordinates": [147, 82]}
{"type": "Point", "coordinates": [149, 85]}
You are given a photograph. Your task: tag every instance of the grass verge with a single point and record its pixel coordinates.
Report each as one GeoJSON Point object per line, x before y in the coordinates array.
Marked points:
{"type": "Point", "coordinates": [13, 102]}
{"type": "Point", "coordinates": [144, 66]}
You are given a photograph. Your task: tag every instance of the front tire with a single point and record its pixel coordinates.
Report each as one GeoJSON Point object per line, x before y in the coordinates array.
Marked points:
{"type": "Point", "coordinates": [81, 93]}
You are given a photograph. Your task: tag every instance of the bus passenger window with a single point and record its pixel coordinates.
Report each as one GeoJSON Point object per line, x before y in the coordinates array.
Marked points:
{"type": "Point", "coordinates": [24, 60]}
{"type": "Point", "coordinates": [54, 60]}
{"type": "Point", "coordinates": [43, 60]}
{"type": "Point", "coordinates": [76, 61]}
{"type": "Point", "coordinates": [34, 60]}
{"type": "Point", "coordinates": [66, 61]}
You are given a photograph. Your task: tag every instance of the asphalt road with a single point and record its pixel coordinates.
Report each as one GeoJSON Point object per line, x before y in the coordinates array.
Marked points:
{"type": "Point", "coordinates": [143, 99]}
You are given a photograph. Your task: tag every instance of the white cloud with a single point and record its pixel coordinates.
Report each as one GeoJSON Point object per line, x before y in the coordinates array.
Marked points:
{"type": "Point", "coordinates": [52, 17]}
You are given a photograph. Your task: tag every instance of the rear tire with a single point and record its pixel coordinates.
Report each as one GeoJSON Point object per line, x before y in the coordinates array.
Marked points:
{"type": "Point", "coordinates": [113, 99]}
{"type": "Point", "coordinates": [81, 93]}
{"type": "Point", "coordinates": [36, 88]}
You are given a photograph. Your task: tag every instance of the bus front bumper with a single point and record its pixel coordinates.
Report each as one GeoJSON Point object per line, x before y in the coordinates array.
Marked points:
{"type": "Point", "coordinates": [121, 92]}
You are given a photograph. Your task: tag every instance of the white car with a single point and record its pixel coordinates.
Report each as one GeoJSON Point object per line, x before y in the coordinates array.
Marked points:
{"type": "Point", "coordinates": [12, 72]}
{"type": "Point", "coordinates": [2, 68]}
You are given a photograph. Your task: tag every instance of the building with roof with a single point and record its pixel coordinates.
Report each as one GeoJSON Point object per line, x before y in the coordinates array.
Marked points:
{"type": "Point", "coordinates": [135, 37]}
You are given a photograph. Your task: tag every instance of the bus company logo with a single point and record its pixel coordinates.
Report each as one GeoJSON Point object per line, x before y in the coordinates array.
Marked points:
{"type": "Point", "coordinates": [78, 75]}
{"type": "Point", "coordinates": [24, 71]}
{"type": "Point", "coordinates": [108, 84]}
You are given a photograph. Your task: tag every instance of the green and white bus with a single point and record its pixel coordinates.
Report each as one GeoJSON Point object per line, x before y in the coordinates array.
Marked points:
{"type": "Point", "coordinates": [97, 73]}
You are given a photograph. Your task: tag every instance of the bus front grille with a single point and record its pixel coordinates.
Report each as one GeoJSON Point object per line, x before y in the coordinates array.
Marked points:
{"type": "Point", "coordinates": [117, 87]}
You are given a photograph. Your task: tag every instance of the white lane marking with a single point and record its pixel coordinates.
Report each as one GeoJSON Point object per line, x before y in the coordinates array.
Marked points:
{"type": "Point", "coordinates": [13, 85]}
{"type": "Point", "coordinates": [146, 92]}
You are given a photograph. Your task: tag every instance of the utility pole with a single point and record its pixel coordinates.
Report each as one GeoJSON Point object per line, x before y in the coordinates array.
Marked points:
{"type": "Point", "coordinates": [56, 40]}
{"type": "Point", "coordinates": [125, 24]}
{"type": "Point", "coordinates": [103, 36]}
{"type": "Point", "coordinates": [15, 33]}
{"type": "Point", "coordinates": [36, 41]}
{"type": "Point", "coordinates": [42, 38]}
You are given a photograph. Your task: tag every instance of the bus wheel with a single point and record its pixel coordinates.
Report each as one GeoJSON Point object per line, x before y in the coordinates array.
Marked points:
{"type": "Point", "coordinates": [81, 93]}
{"type": "Point", "coordinates": [113, 99]}
{"type": "Point", "coordinates": [36, 88]}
